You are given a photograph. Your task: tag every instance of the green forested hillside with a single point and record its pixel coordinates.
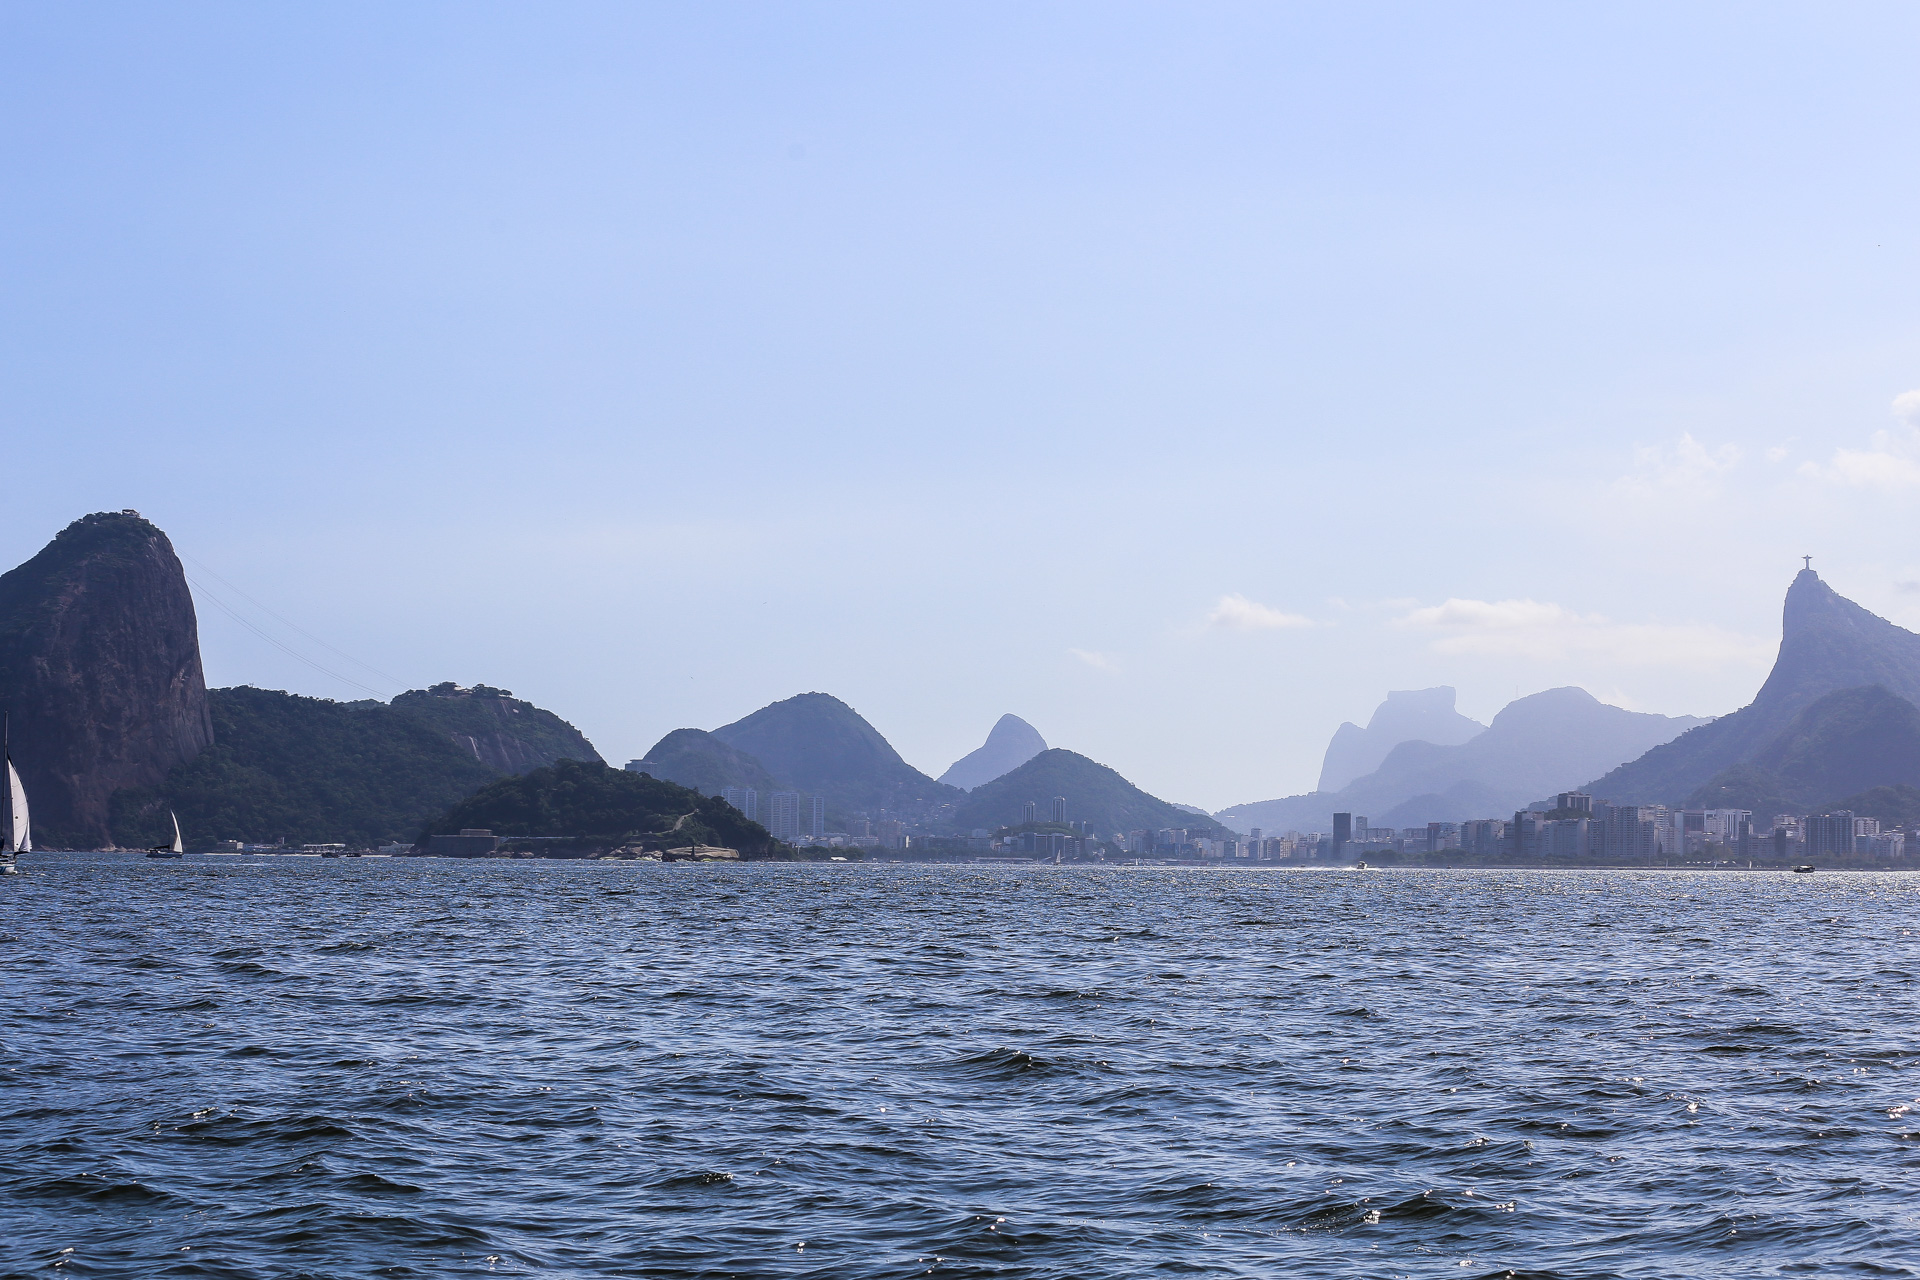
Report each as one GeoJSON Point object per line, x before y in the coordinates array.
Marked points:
{"type": "Point", "coordinates": [1093, 792]}
{"type": "Point", "coordinates": [695, 758]}
{"type": "Point", "coordinates": [1842, 744]}
{"type": "Point", "coordinates": [820, 745]}
{"type": "Point", "coordinates": [594, 802]}
{"type": "Point", "coordinates": [306, 769]}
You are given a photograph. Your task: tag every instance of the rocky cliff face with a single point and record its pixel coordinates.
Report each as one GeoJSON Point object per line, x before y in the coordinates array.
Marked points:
{"type": "Point", "coordinates": [500, 730]}
{"type": "Point", "coordinates": [99, 672]}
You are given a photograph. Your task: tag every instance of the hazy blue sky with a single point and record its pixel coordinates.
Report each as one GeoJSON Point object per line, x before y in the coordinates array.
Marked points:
{"type": "Point", "coordinates": [1179, 377]}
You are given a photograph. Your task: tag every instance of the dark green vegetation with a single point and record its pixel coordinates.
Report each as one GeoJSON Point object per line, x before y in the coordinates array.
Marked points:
{"type": "Point", "coordinates": [496, 728]}
{"type": "Point", "coordinates": [1844, 743]}
{"type": "Point", "coordinates": [99, 672]}
{"type": "Point", "coordinates": [695, 758]}
{"type": "Point", "coordinates": [306, 769]}
{"type": "Point", "coordinates": [593, 803]}
{"type": "Point", "coordinates": [1094, 794]}
{"type": "Point", "coordinates": [818, 744]}
{"type": "Point", "coordinates": [311, 771]}
{"type": "Point", "coordinates": [1895, 806]}
{"type": "Point", "coordinates": [1827, 644]}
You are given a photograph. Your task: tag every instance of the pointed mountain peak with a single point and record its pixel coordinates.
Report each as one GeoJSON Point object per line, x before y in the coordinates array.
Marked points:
{"type": "Point", "coordinates": [1828, 642]}
{"type": "Point", "coordinates": [1011, 727]}
{"type": "Point", "coordinates": [1010, 744]}
{"type": "Point", "coordinates": [1812, 604]}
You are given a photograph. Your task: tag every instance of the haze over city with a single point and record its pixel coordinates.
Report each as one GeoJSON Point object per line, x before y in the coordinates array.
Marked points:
{"type": "Point", "coordinates": [1180, 381]}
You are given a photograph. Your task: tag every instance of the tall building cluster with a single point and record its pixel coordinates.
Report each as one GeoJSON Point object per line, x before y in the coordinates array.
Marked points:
{"type": "Point", "coordinates": [745, 799]}
{"type": "Point", "coordinates": [1579, 827]}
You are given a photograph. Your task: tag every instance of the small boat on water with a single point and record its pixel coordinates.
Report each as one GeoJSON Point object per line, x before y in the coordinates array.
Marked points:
{"type": "Point", "coordinates": [174, 850]}
{"type": "Point", "coordinates": [1802, 870]}
{"type": "Point", "coordinates": [16, 831]}
{"type": "Point", "coordinates": [1360, 866]}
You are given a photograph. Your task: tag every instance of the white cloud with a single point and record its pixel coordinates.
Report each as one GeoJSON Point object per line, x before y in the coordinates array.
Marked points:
{"type": "Point", "coordinates": [1098, 661]}
{"type": "Point", "coordinates": [1550, 632]}
{"type": "Point", "coordinates": [1238, 613]}
{"type": "Point", "coordinates": [1682, 464]}
{"type": "Point", "coordinates": [1778, 453]}
{"type": "Point", "coordinates": [1891, 462]}
{"type": "Point", "coordinates": [1888, 465]}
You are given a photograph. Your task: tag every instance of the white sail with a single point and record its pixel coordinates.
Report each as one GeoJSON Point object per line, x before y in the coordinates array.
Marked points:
{"type": "Point", "coordinates": [176, 831]}
{"type": "Point", "coordinates": [16, 832]}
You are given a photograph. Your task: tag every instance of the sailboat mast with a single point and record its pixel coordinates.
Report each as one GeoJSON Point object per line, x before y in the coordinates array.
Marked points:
{"type": "Point", "coordinates": [16, 833]}
{"type": "Point", "coordinates": [6, 786]}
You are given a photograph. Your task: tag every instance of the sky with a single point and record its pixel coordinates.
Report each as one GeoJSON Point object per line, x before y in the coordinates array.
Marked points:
{"type": "Point", "coordinates": [1180, 378]}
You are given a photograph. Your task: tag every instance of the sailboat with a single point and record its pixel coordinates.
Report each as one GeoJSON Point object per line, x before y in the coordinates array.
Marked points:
{"type": "Point", "coordinates": [173, 850]}
{"type": "Point", "coordinates": [16, 832]}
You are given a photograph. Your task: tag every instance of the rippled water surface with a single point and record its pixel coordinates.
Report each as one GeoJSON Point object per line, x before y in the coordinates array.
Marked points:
{"type": "Point", "coordinates": [290, 1067]}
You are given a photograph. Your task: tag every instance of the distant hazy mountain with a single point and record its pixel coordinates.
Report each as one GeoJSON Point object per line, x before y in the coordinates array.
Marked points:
{"type": "Point", "coordinates": [695, 758]}
{"type": "Point", "coordinates": [1408, 715]}
{"type": "Point", "coordinates": [1846, 743]}
{"type": "Point", "coordinates": [1827, 643]}
{"type": "Point", "coordinates": [1093, 792]}
{"type": "Point", "coordinates": [821, 745]}
{"type": "Point", "coordinates": [503, 731]}
{"type": "Point", "coordinates": [1536, 746]}
{"type": "Point", "coordinates": [1011, 744]}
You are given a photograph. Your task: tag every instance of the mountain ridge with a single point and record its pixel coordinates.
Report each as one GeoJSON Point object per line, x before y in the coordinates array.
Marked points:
{"type": "Point", "coordinates": [1094, 792]}
{"type": "Point", "coordinates": [695, 758]}
{"type": "Point", "coordinates": [1849, 742]}
{"type": "Point", "coordinates": [1827, 643]}
{"type": "Point", "coordinates": [1407, 715]}
{"type": "Point", "coordinates": [819, 744]}
{"type": "Point", "coordinates": [1537, 745]}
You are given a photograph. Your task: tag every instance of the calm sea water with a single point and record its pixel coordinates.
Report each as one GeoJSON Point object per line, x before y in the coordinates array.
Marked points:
{"type": "Point", "coordinates": [288, 1067]}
